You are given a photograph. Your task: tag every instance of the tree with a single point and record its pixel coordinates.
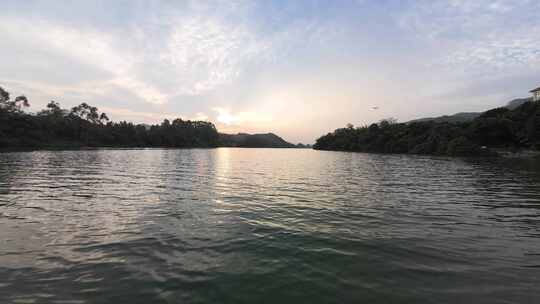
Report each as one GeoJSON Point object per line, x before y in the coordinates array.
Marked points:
{"type": "Point", "coordinates": [12, 105]}
{"type": "Point", "coordinates": [103, 118]}
{"type": "Point", "coordinates": [21, 101]}
{"type": "Point", "coordinates": [4, 95]}
{"type": "Point", "coordinates": [53, 109]}
{"type": "Point", "coordinates": [54, 106]}
{"type": "Point", "coordinates": [387, 122]}
{"type": "Point", "coordinates": [86, 112]}
{"type": "Point", "coordinates": [85, 125]}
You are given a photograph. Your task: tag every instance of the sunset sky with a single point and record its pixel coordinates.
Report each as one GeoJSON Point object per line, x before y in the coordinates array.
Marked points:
{"type": "Point", "coordinates": [296, 68]}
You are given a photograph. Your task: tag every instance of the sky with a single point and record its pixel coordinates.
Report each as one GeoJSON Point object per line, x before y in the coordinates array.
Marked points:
{"type": "Point", "coordinates": [299, 69]}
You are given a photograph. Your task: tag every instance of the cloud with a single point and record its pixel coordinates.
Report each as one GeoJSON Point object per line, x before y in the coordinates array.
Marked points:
{"type": "Point", "coordinates": [226, 117]}
{"type": "Point", "coordinates": [482, 35]}
{"type": "Point", "coordinates": [88, 48]}
{"type": "Point", "coordinates": [140, 116]}
{"type": "Point", "coordinates": [119, 114]}
{"type": "Point", "coordinates": [498, 53]}
{"type": "Point", "coordinates": [158, 59]}
{"type": "Point", "coordinates": [201, 116]}
{"type": "Point", "coordinates": [191, 56]}
{"type": "Point", "coordinates": [290, 67]}
{"type": "Point", "coordinates": [206, 53]}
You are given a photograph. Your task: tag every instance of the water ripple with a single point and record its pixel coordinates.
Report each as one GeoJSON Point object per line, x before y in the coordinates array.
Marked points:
{"type": "Point", "coordinates": [265, 225]}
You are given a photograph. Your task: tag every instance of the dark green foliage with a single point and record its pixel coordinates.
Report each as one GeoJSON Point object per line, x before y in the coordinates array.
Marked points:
{"type": "Point", "coordinates": [462, 146]}
{"type": "Point", "coordinates": [12, 105]}
{"type": "Point", "coordinates": [85, 126]}
{"type": "Point", "coordinates": [497, 128]}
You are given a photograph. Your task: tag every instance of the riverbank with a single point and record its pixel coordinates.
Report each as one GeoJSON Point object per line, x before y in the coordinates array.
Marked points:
{"type": "Point", "coordinates": [515, 130]}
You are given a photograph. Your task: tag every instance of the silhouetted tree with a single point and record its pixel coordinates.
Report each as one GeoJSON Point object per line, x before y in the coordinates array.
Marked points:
{"type": "Point", "coordinates": [86, 112]}
{"type": "Point", "coordinates": [103, 118]}
{"type": "Point", "coordinates": [496, 128]}
{"type": "Point", "coordinates": [4, 95]}
{"type": "Point", "coordinates": [85, 125]}
{"type": "Point", "coordinates": [9, 105]}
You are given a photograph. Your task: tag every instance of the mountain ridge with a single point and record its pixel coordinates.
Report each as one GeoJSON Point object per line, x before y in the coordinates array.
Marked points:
{"type": "Point", "coordinates": [493, 132]}
{"type": "Point", "coordinates": [469, 116]}
{"type": "Point", "coordinates": [258, 140]}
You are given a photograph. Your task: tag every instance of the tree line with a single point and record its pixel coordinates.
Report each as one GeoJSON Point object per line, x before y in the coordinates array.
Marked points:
{"type": "Point", "coordinates": [85, 125]}
{"type": "Point", "coordinates": [499, 128]}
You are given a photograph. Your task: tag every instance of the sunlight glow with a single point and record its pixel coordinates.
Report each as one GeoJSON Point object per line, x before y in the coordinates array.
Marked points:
{"type": "Point", "coordinates": [226, 118]}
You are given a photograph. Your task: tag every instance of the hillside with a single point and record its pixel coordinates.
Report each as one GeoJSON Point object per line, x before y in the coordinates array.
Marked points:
{"type": "Point", "coordinates": [513, 104]}
{"type": "Point", "coordinates": [267, 140]}
{"type": "Point", "coordinates": [469, 116]}
{"type": "Point", "coordinates": [455, 118]}
{"type": "Point", "coordinates": [499, 128]}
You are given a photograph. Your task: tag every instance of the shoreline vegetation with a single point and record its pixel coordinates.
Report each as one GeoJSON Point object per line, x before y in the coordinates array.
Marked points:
{"type": "Point", "coordinates": [83, 126]}
{"type": "Point", "coordinates": [511, 131]}
{"type": "Point", "coordinates": [506, 132]}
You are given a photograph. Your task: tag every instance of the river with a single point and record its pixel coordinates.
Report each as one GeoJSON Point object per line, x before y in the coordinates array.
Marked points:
{"type": "Point", "coordinates": [266, 226]}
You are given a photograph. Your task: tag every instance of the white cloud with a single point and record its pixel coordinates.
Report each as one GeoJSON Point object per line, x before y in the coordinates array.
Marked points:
{"type": "Point", "coordinates": [499, 54]}
{"type": "Point", "coordinates": [225, 116]}
{"type": "Point", "coordinates": [479, 36]}
{"type": "Point", "coordinates": [139, 116]}
{"type": "Point", "coordinates": [187, 55]}
{"type": "Point", "coordinates": [200, 116]}
{"type": "Point", "coordinates": [88, 47]}
{"type": "Point", "coordinates": [245, 63]}
{"type": "Point", "coordinates": [206, 53]}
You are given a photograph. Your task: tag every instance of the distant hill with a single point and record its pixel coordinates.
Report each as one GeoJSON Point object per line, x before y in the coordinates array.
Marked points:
{"type": "Point", "coordinates": [499, 130]}
{"type": "Point", "coordinates": [244, 140]}
{"type": "Point", "coordinates": [514, 104]}
{"type": "Point", "coordinates": [455, 118]}
{"type": "Point", "coordinates": [469, 116]}
{"type": "Point", "coordinates": [303, 146]}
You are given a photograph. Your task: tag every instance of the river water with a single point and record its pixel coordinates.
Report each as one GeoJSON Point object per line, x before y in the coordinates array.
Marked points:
{"type": "Point", "coordinates": [266, 226]}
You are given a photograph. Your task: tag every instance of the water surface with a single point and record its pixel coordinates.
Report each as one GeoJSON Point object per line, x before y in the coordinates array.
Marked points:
{"type": "Point", "coordinates": [266, 226]}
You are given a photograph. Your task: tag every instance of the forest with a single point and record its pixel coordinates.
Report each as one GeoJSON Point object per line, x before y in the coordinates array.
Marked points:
{"type": "Point", "coordinates": [85, 126]}
{"type": "Point", "coordinates": [492, 131]}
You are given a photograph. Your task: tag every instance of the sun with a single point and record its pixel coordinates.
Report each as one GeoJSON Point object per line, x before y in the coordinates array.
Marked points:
{"type": "Point", "coordinates": [226, 118]}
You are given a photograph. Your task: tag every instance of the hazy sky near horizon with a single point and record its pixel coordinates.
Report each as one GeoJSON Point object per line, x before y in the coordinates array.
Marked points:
{"type": "Point", "coordinates": [296, 68]}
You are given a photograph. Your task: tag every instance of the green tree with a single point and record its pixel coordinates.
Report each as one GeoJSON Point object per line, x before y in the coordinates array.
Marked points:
{"type": "Point", "coordinates": [86, 112]}
{"type": "Point", "coordinates": [14, 105]}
